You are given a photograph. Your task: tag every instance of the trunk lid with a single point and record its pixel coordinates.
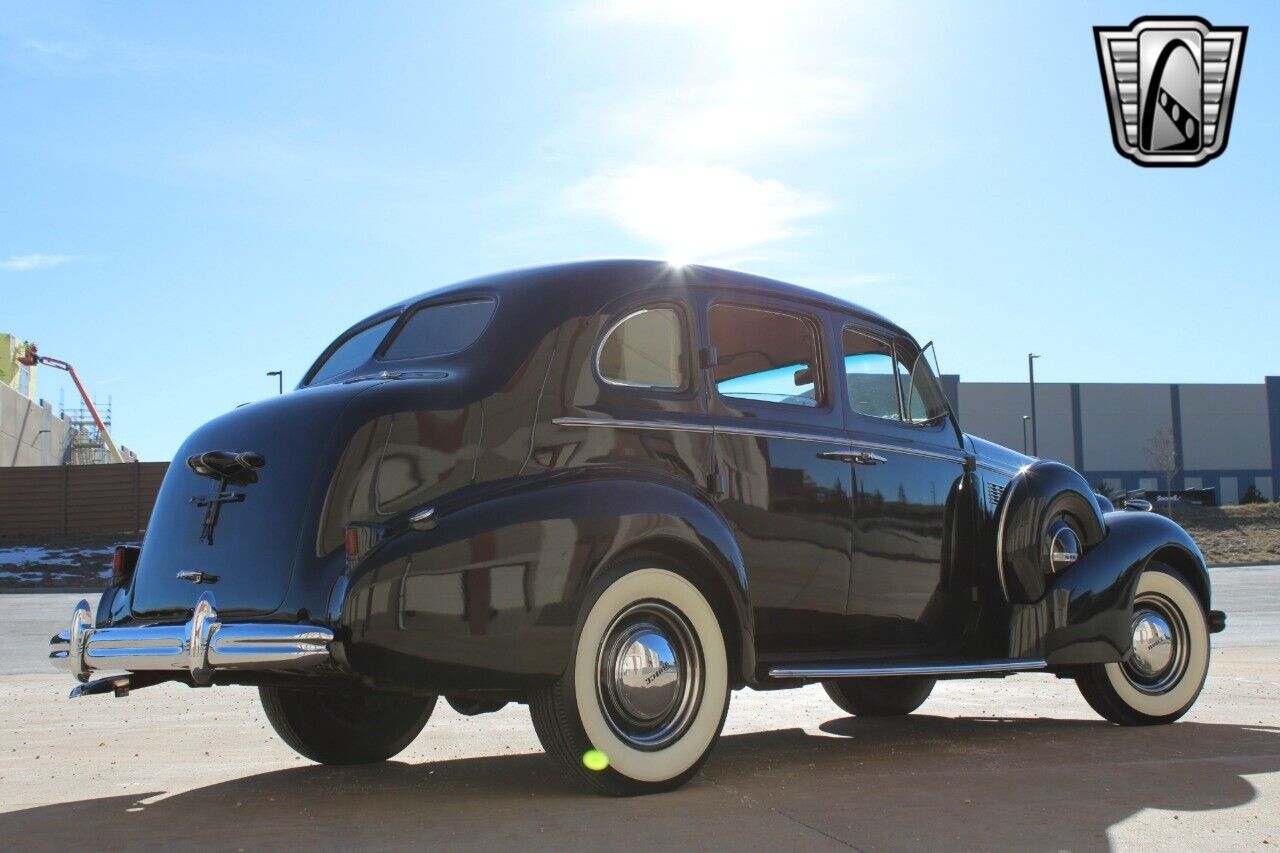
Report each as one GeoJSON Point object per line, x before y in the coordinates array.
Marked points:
{"type": "Point", "coordinates": [263, 529]}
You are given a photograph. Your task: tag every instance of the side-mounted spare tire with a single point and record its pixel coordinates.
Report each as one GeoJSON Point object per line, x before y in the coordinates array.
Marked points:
{"type": "Point", "coordinates": [1047, 518]}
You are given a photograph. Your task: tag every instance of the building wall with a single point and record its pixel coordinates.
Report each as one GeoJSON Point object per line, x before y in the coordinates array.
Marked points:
{"type": "Point", "coordinates": [1225, 426]}
{"type": "Point", "coordinates": [30, 433]}
{"type": "Point", "coordinates": [1227, 435]}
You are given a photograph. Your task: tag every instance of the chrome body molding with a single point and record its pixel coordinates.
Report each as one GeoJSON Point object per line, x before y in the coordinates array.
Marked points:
{"type": "Point", "coordinates": [994, 667]}
{"type": "Point", "coordinates": [201, 646]}
{"type": "Point", "coordinates": [758, 432]}
{"type": "Point", "coordinates": [996, 469]}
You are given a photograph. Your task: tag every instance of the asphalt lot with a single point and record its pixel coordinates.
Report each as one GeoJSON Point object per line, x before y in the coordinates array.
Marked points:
{"type": "Point", "coordinates": [997, 764]}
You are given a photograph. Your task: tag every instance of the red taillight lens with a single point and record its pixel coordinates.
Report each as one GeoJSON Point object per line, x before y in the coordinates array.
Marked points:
{"type": "Point", "coordinates": [351, 542]}
{"type": "Point", "coordinates": [123, 561]}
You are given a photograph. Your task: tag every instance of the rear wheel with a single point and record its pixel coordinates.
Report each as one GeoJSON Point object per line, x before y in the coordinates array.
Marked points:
{"type": "Point", "coordinates": [879, 697]}
{"type": "Point", "coordinates": [351, 725]}
{"type": "Point", "coordinates": [645, 694]}
{"type": "Point", "coordinates": [1163, 676]}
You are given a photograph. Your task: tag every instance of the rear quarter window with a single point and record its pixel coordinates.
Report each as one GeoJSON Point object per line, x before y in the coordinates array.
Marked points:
{"type": "Point", "coordinates": [441, 329]}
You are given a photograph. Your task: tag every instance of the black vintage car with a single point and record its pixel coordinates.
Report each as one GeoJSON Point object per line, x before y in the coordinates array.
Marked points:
{"type": "Point", "coordinates": [617, 491]}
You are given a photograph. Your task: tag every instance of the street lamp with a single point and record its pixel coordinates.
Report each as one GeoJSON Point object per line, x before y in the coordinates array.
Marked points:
{"type": "Point", "coordinates": [279, 375]}
{"type": "Point", "coordinates": [1025, 418]}
{"type": "Point", "coordinates": [1031, 373]}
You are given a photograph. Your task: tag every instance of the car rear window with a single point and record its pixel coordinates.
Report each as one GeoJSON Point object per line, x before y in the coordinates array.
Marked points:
{"type": "Point", "coordinates": [441, 329]}
{"type": "Point", "coordinates": [352, 352]}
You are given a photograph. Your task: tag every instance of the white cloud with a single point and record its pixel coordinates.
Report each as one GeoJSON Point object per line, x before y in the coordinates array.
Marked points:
{"type": "Point", "coordinates": [56, 49]}
{"type": "Point", "coordinates": [696, 159]}
{"type": "Point", "coordinates": [26, 263]}
{"type": "Point", "coordinates": [694, 211]}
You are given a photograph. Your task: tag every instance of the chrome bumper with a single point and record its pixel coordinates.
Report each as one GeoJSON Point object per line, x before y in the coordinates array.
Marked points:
{"type": "Point", "coordinates": [201, 646]}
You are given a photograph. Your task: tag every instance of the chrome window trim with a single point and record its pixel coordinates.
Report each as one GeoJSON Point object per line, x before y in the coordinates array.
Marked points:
{"type": "Point", "coordinates": [613, 327]}
{"type": "Point", "coordinates": [623, 423]}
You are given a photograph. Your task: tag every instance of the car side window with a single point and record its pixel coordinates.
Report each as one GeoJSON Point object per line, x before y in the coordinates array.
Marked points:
{"type": "Point", "coordinates": [922, 396]}
{"type": "Point", "coordinates": [764, 355]}
{"type": "Point", "coordinates": [869, 375]}
{"type": "Point", "coordinates": [645, 349]}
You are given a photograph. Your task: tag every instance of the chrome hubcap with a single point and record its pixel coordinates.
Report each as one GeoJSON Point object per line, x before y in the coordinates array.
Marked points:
{"type": "Point", "coordinates": [649, 675]}
{"type": "Point", "coordinates": [1159, 657]}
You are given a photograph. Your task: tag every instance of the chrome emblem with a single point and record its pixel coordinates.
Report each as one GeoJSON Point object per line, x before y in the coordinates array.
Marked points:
{"type": "Point", "coordinates": [1171, 86]}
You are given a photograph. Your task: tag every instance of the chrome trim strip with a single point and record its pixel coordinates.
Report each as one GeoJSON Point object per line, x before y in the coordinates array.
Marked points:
{"type": "Point", "coordinates": [200, 646]}
{"type": "Point", "coordinates": [874, 671]}
{"type": "Point", "coordinates": [624, 423]}
{"type": "Point", "coordinates": [1011, 473]}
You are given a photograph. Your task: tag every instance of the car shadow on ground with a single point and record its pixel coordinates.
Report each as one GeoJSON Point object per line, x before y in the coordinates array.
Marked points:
{"type": "Point", "coordinates": [877, 784]}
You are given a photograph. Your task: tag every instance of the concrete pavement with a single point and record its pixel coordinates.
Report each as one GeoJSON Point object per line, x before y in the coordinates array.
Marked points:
{"type": "Point", "coordinates": [1015, 763]}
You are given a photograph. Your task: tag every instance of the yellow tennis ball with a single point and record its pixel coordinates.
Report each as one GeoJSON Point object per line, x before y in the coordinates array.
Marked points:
{"type": "Point", "coordinates": [594, 759]}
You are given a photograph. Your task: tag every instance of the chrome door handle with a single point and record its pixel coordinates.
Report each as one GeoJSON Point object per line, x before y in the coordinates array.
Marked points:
{"type": "Point", "coordinates": [857, 457]}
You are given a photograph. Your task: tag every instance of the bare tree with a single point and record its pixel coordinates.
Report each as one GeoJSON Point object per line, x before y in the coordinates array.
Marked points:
{"type": "Point", "coordinates": [1162, 457]}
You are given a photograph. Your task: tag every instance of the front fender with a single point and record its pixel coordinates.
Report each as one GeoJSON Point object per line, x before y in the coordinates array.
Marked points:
{"type": "Point", "coordinates": [490, 598]}
{"type": "Point", "coordinates": [1086, 612]}
{"type": "Point", "coordinates": [1031, 501]}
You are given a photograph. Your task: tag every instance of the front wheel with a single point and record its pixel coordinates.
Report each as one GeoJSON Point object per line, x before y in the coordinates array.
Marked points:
{"type": "Point", "coordinates": [348, 725]}
{"type": "Point", "coordinates": [645, 694]}
{"type": "Point", "coordinates": [1162, 677]}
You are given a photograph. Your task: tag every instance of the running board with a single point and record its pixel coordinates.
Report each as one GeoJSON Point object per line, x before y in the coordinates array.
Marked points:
{"type": "Point", "coordinates": [822, 670]}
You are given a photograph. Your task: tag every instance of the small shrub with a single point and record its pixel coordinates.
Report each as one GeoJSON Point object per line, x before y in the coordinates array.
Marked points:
{"type": "Point", "coordinates": [1253, 496]}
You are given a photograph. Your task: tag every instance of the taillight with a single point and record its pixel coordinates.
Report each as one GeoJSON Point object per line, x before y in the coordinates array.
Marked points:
{"type": "Point", "coordinates": [123, 561]}
{"type": "Point", "coordinates": [358, 538]}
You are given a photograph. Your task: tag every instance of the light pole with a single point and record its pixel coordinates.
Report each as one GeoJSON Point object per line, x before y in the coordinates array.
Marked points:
{"type": "Point", "coordinates": [1025, 418]}
{"type": "Point", "coordinates": [1031, 373]}
{"type": "Point", "coordinates": [279, 375]}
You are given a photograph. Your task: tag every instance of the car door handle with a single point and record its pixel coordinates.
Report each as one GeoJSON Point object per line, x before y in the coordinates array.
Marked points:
{"type": "Point", "coordinates": [857, 457]}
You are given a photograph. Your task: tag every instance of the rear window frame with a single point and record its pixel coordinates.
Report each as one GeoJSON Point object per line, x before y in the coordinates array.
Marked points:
{"type": "Point", "coordinates": [380, 354]}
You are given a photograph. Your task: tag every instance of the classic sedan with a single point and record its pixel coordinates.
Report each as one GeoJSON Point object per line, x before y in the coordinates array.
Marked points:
{"type": "Point", "coordinates": [616, 492]}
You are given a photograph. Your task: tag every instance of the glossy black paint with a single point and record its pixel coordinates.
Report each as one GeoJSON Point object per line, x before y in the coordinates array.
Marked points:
{"type": "Point", "coordinates": [542, 475]}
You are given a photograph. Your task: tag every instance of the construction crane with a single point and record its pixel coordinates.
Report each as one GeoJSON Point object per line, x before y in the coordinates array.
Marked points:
{"type": "Point", "coordinates": [31, 358]}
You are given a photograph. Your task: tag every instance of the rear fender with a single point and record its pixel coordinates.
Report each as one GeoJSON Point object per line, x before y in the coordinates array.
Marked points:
{"type": "Point", "coordinates": [490, 597]}
{"type": "Point", "coordinates": [1086, 612]}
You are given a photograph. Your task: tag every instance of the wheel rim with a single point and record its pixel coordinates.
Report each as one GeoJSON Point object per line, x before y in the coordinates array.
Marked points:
{"type": "Point", "coordinates": [1160, 645]}
{"type": "Point", "coordinates": [649, 675]}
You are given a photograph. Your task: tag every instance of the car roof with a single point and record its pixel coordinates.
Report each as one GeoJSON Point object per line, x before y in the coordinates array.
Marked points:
{"type": "Point", "coordinates": [590, 285]}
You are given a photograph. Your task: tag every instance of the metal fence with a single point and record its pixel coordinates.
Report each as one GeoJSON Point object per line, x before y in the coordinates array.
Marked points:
{"type": "Point", "coordinates": [59, 499]}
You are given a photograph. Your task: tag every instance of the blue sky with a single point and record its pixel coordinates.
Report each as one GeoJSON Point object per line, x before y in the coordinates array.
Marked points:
{"type": "Point", "coordinates": [196, 194]}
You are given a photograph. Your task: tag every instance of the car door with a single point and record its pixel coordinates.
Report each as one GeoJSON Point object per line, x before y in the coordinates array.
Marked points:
{"type": "Point", "coordinates": [909, 591]}
{"type": "Point", "coordinates": [783, 488]}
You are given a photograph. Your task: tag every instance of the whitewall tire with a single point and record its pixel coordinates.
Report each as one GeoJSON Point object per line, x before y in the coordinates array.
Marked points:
{"type": "Point", "coordinates": [1166, 670]}
{"type": "Point", "coordinates": [645, 694]}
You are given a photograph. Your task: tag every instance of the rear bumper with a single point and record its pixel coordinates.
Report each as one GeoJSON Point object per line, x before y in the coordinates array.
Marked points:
{"type": "Point", "coordinates": [201, 647]}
